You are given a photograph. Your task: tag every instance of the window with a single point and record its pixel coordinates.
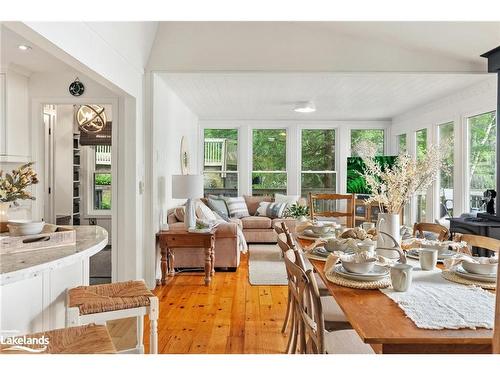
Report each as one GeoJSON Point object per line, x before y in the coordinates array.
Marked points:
{"type": "Point", "coordinates": [421, 148]}
{"type": "Point", "coordinates": [220, 162]}
{"type": "Point", "coordinates": [482, 157]}
{"type": "Point", "coordinates": [318, 161]}
{"type": "Point", "coordinates": [446, 142]}
{"type": "Point", "coordinates": [375, 136]}
{"type": "Point", "coordinates": [402, 147]}
{"type": "Point", "coordinates": [269, 162]}
{"type": "Point", "coordinates": [101, 177]}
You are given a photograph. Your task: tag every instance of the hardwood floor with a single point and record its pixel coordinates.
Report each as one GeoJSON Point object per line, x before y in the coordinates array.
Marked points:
{"type": "Point", "coordinates": [229, 316]}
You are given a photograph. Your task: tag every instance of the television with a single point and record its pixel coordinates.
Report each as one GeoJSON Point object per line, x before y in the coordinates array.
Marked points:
{"type": "Point", "coordinates": [356, 183]}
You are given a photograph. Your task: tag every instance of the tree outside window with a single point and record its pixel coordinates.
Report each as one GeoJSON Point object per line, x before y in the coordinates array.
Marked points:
{"type": "Point", "coordinates": [421, 148]}
{"type": "Point", "coordinates": [446, 142]}
{"type": "Point", "coordinates": [376, 136]}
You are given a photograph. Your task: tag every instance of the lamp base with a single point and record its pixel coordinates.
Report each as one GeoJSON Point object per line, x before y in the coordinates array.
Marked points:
{"type": "Point", "coordinates": [190, 217]}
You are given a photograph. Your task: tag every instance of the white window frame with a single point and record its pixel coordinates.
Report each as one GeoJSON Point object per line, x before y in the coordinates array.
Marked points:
{"type": "Point", "coordinates": [88, 166]}
{"type": "Point", "coordinates": [437, 185]}
{"type": "Point", "coordinates": [202, 165]}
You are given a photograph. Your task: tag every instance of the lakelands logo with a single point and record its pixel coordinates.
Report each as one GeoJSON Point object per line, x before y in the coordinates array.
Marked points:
{"type": "Point", "coordinates": [23, 343]}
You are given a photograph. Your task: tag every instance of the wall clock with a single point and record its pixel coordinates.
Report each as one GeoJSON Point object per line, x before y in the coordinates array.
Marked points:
{"type": "Point", "coordinates": [184, 156]}
{"type": "Point", "coordinates": [76, 88]}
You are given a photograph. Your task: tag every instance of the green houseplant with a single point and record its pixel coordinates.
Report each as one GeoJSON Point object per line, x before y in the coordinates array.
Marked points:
{"type": "Point", "coordinates": [296, 211]}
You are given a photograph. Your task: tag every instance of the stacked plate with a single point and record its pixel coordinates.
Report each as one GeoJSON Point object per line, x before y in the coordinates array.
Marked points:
{"type": "Point", "coordinates": [486, 278]}
{"type": "Point", "coordinates": [442, 255]}
{"type": "Point", "coordinates": [309, 233]}
{"type": "Point", "coordinates": [377, 273]}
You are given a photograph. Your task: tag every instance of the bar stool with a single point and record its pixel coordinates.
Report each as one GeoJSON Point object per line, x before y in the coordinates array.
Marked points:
{"type": "Point", "coordinates": [88, 339]}
{"type": "Point", "coordinates": [100, 303]}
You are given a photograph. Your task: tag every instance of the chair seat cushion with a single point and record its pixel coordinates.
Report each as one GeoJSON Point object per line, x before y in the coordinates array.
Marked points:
{"type": "Point", "coordinates": [256, 222]}
{"type": "Point", "coordinates": [346, 342]}
{"type": "Point", "coordinates": [331, 310]}
{"type": "Point", "coordinates": [110, 297]}
{"type": "Point", "coordinates": [88, 339]}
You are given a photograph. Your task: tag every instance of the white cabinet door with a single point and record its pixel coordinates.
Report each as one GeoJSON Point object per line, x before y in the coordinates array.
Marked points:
{"type": "Point", "coordinates": [17, 124]}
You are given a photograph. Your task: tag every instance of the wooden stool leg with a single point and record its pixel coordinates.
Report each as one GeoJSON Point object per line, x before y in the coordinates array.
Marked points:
{"type": "Point", "coordinates": [140, 334]}
{"type": "Point", "coordinates": [153, 321]}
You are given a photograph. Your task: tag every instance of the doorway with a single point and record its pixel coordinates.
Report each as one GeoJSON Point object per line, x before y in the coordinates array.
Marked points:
{"type": "Point", "coordinates": [78, 170]}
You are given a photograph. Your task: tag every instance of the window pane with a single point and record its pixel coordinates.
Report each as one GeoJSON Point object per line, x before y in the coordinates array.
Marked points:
{"type": "Point", "coordinates": [269, 150]}
{"type": "Point", "coordinates": [102, 191]}
{"type": "Point", "coordinates": [221, 149]}
{"type": "Point", "coordinates": [318, 150]}
{"type": "Point", "coordinates": [446, 142]}
{"type": "Point", "coordinates": [421, 147]}
{"type": "Point", "coordinates": [375, 136]}
{"type": "Point", "coordinates": [268, 183]}
{"type": "Point", "coordinates": [318, 183]}
{"type": "Point", "coordinates": [402, 143]}
{"type": "Point", "coordinates": [221, 183]}
{"type": "Point", "coordinates": [482, 157]}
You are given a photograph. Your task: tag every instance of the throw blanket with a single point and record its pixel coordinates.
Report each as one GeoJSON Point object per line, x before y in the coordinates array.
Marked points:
{"type": "Point", "coordinates": [242, 242]}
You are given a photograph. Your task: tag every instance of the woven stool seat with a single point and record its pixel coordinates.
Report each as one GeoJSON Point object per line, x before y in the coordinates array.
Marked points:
{"type": "Point", "coordinates": [89, 339]}
{"type": "Point", "coordinates": [110, 297]}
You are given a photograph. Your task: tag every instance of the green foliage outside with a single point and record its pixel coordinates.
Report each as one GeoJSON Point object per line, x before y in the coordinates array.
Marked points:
{"type": "Point", "coordinates": [103, 179]}
{"type": "Point", "coordinates": [356, 183]}
{"type": "Point", "coordinates": [222, 133]}
{"type": "Point", "coordinates": [269, 154]}
{"type": "Point", "coordinates": [403, 147]}
{"type": "Point", "coordinates": [421, 141]}
{"type": "Point", "coordinates": [318, 154]}
{"type": "Point", "coordinates": [376, 136]}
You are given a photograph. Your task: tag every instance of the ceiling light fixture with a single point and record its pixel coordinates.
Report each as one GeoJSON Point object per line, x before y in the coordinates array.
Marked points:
{"type": "Point", "coordinates": [305, 107]}
{"type": "Point", "coordinates": [24, 47]}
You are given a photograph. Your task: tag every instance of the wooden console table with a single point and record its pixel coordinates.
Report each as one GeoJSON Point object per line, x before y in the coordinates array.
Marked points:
{"type": "Point", "coordinates": [178, 239]}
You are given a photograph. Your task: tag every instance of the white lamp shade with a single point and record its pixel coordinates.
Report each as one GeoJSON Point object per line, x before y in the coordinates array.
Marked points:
{"type": "Point", "coordinates": [188, 186]}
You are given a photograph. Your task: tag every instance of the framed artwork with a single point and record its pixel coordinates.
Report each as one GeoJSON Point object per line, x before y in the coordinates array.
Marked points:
{"type": "Point", "coordinates": [184, 156]}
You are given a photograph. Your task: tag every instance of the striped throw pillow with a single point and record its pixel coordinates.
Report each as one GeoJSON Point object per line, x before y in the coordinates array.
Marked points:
{"type": "Point", "coordinates": [237, 207]}
{"type": "Point", "coordinates": [271, 210]}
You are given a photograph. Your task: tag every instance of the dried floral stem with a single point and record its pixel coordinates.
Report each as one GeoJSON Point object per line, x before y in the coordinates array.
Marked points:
{"type": "Point", "coordinates": [13, 185]}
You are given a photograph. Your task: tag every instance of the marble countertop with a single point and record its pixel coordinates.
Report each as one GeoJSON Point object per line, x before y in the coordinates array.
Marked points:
{"type": "Point", "coordinates": [90, 239]}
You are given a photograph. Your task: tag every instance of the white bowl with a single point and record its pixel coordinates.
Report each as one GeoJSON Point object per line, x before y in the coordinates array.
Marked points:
{"type": "Point", "coordinates": [321, 229]}
{"type": "Point", "coordinates": [479, 268]}
{"type": "Point", "coordinates": [25, 227]}
{"type": "Point", "coordinates": [359, 268]}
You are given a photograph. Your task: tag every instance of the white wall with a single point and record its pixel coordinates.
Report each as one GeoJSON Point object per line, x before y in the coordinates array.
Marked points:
{"type": "Point", "coordinates": [63, 160]}
{"type": "Point", "coordinates": [457, 107]}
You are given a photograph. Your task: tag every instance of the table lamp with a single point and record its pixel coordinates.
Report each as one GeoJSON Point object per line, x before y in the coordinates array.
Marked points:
{"type": "Point", "coordinates": [188, 186]}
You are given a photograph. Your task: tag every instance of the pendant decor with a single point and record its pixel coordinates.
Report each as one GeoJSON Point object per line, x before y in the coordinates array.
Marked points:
{"type": "Point", "coordinates": [91, 118]}
{"type": "Point", "coordinates": [184, 156]}
{"type": "Point", "coordinates": [76, 88]}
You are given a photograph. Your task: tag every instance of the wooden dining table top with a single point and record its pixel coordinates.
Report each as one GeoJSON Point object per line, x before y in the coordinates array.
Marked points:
{"type": "Point", "coordinates": [379, 321]}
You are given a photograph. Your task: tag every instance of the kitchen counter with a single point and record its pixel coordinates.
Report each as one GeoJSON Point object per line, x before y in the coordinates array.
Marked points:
{"type": "Point", "coordinates": [33, 283]}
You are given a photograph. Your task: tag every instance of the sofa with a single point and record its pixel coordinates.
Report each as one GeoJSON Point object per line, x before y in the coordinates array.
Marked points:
{"type": "Point", "coordinates": [256, 229]}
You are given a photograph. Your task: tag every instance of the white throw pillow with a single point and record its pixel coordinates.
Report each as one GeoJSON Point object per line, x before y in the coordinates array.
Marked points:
{"type": "Point", "coordinates": [288, 199]}
{"type": "Point", "coordinates": [271, 210]}
{"type": "Point", "coordinates": [204, 213]}
{"type": "Point", "coordinates": [237, 207]}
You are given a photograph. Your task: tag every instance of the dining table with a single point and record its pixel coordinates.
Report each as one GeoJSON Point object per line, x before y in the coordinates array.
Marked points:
{"type": "Point", "coordinates": [381, 323]}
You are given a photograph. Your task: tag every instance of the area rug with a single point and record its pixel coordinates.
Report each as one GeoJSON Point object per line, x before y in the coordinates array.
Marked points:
{"type": "Point", "coordinates": [265, 265]}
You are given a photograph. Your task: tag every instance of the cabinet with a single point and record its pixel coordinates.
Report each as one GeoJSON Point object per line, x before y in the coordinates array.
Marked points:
{"type": "Point", "coordinates": [14, 125]}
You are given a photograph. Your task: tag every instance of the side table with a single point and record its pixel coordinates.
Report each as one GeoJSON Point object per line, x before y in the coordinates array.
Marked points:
{"type": "Point", "coordinates": [178, 239]}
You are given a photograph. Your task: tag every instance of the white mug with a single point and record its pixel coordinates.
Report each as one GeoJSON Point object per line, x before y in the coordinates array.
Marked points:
{"type": "Point", "coordinates": [367, 225]}
{"type": "Point", "coordinates": [401, 276]}
{"type": "Point", "coordinates": [428, 258]}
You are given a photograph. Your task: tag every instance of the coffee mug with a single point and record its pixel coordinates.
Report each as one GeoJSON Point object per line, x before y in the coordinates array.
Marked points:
{"type": "Point", "coordinates": [401, 277]}
{"type": "Point", "coordinates": [367, 225]}
{"type": "Point", "coordinates": [428, 258]}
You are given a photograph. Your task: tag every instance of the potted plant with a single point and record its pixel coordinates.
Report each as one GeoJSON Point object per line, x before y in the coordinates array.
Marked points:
{"type": "Point", "coordinates": [297, 211]}
{"type": "Point", "coordinates": [13, 187]}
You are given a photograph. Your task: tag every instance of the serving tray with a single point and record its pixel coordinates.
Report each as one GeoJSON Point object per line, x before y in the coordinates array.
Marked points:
{"type": "Point", "coordinates": [51, 236]}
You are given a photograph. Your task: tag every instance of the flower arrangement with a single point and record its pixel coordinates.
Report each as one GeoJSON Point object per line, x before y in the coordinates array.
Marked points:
{"type": "Point", "coordinates": [392, 187]}
{"type": "Point", "coordinates": [13, 185]}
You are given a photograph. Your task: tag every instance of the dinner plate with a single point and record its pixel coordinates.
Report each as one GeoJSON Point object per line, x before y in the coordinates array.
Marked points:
{"type": "Point", "coordinates": [413, 254]}
{"type": "Point", "coordinates": [310, 235]}
{"type": "Point", "coordinates": [377, 273]}
{"type": "Point", "coordinates": [472, 276]}
{"type": "Point", "coordinates": [318, 253]}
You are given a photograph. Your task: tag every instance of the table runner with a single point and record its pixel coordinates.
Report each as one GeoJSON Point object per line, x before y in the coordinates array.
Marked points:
{"type": "Point", "coordinates": [435, 303]}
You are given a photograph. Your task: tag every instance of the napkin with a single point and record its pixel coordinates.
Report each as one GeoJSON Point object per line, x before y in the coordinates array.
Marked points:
{"type": "Point", "coordinates": [459, 258]}
{"type": "Point", "coordinates": [330, 263]}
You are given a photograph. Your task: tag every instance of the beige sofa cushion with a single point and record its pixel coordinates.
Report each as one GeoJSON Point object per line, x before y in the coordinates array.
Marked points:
{"type": "Point", "coordinates": [253, 202]}
{"type": "Point", "coordinates": [256, 222]}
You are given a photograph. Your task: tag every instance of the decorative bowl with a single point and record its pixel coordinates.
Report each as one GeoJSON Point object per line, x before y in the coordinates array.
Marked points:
{"type": "Point", "coordinates": [25, 227]}
{"type": "Point", "coordinates": [321, 228]}
{"type": "Point", "coordinates": [480, 268]}
{"type": "Point", "coordinates": [359, 268]}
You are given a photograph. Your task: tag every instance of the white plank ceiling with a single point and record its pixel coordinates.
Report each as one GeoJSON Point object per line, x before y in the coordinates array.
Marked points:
{"type": "Point", "coordinates": [338, 96]}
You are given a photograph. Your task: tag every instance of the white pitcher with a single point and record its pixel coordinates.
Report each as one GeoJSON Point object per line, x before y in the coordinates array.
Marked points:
{"type": "Point", "coordinates": [388, 223]}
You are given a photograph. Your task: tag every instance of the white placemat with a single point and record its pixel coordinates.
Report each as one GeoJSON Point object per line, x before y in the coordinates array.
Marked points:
{"type": "Point", "coordinates": [435, 303]}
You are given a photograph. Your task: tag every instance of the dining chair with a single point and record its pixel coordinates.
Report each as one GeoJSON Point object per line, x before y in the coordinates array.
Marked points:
{"type": "Point", "coordinates": [443, 234]}
{"type": "Point", "coordinates": [326, 205]}
{"type": "Point", "coordinates": [312, 336]}
{"type": "Point", "coordinates": [474, 240]}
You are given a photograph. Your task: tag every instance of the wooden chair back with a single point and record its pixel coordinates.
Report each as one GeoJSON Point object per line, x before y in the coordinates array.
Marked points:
{"type": "Point", "coordinates": [487, 243]}
{"type": "Point", "coordinates": [441, 231]}
{"type": "Point", "coordinates": [307, 305]}
{"type": "Point", "coordinates": [348, 214]}
{"type": "Point", "coordinates": [277, 228]}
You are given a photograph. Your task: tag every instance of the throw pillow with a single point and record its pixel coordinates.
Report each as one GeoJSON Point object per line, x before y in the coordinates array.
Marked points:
{"type": "Point", "coordinates": [289, 199]}
{"type": "Point", "coordinates": [219, 206]}
{"type": "Point", "coordinates": [204, 213]}
{"type": "Point", "coordinates": [179, 213]}
{"type": "Point", "coordinates": [237, 207]}
{"type": "Point", "coordinates": [271, 210]}
{"type": "Point", "coordinates": [253, 202]}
